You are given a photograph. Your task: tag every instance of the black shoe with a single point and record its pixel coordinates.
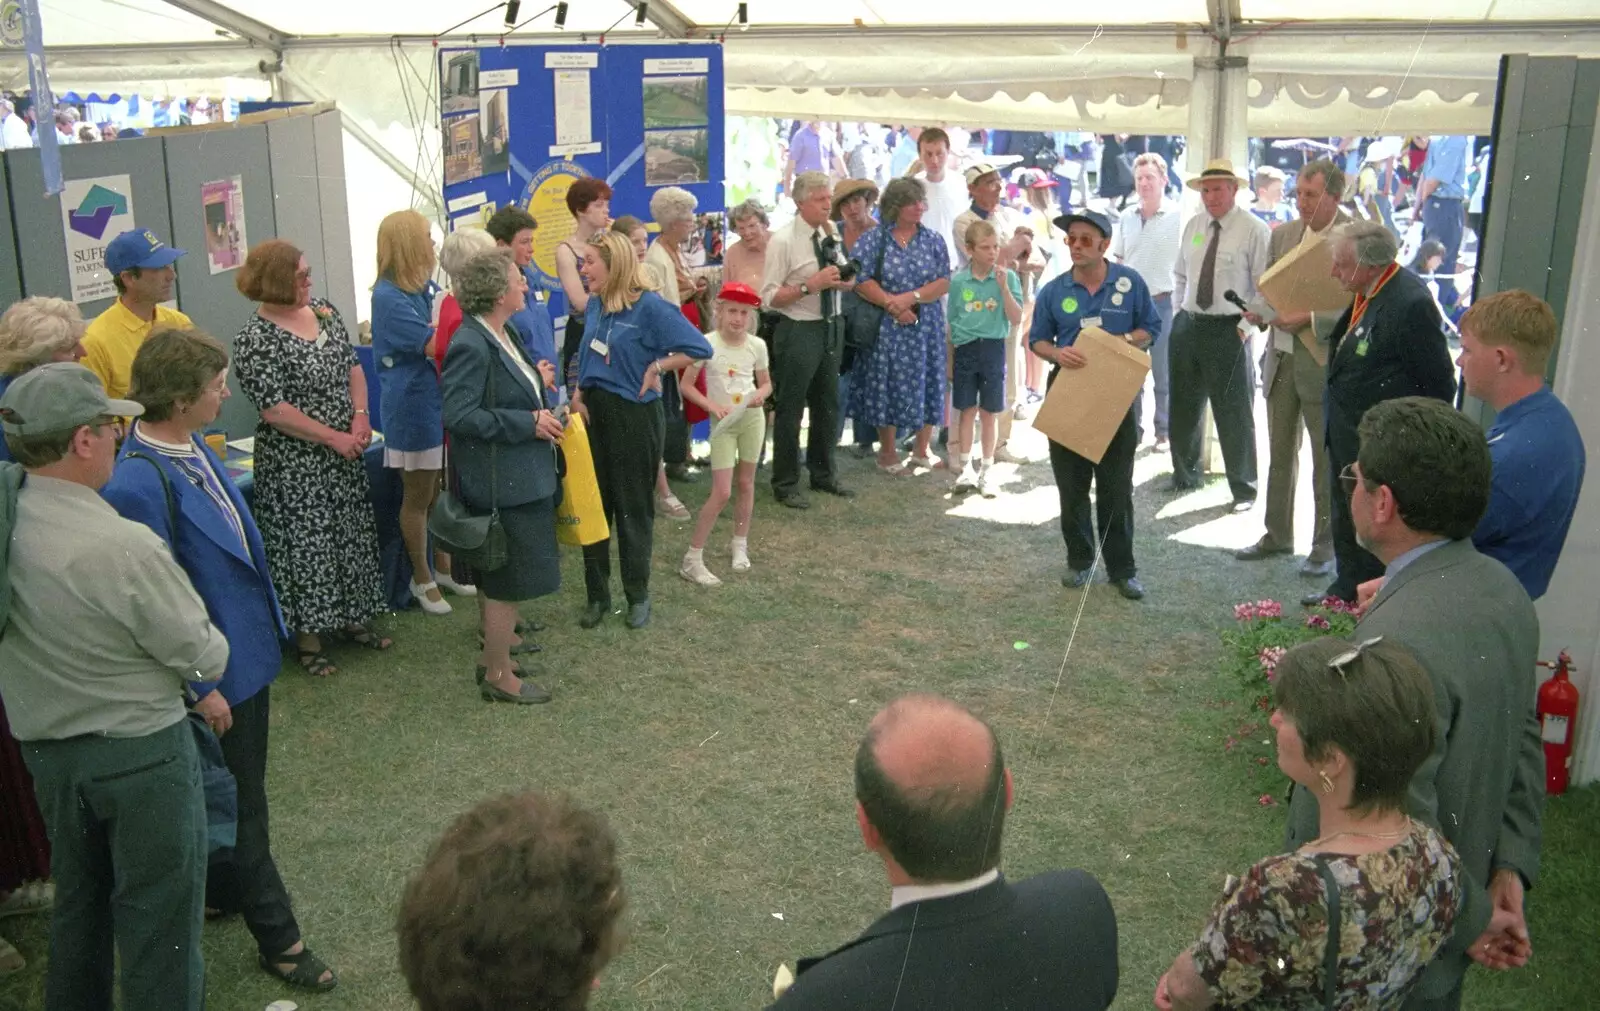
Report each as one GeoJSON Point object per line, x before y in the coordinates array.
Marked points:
{"type": "Point", "coordinates": [594, 613]}
{"type": "Point", "coordinates": [833, 488]}
{"type": "Point", "coordinates": [679, 472]}
{"type": "Point", "coordinates": [528, 626]}
{"type": "Point", "coordinates": [1076, 578]}
{"type": "Point", "coordinates": [794, 500]}
{"type": "Point", "coordinates": [1312, 570]}
{"type": "Point", "coordinates": [1243, 505]}
{"type": "Point", "coordinates": [639, 614]}
{"type": "Point", "coordinates": [529, 694]}
{"type": "Point", "coordinates": [483, 672]}
{"type": "Point", "coordinates": [1259, 550]}
{"type": "Point", "coordinates": [1130, 588]}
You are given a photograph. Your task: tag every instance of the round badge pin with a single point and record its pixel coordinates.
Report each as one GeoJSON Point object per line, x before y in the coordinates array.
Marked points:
{"type": "Point", "coordinates": [1069, 304]}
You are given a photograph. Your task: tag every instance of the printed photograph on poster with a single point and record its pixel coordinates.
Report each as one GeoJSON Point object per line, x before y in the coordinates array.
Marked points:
{"type": "Point", "coordinates": [675, 157]}
{"type": "Point", "coordinates": [494, 131]}
{"type": "Point", "coordinates": [675, 101]}
{"type": "Point", "coordinates": [222, 205]}
{"type": "Point", "coordinates": [463, 158]}
{"type": "Point", "coordinates": [459, 83]}
{"type": "Point", "coordinates": [93, 212]}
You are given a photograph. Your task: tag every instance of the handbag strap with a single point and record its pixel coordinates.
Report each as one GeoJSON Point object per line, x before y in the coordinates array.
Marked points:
{"type": "Point", "coordinates": [1330, 959]}
{"type": "Point", "coordinates": [166, 491]}
{"type": "Point", "coordinates": [494, 447]}
{"type": "Point", "coordinates": [883, 247]}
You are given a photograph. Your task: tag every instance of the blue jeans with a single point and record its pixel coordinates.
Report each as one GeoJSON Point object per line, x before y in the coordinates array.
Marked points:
{"type": "Point", "coordinates": [1158, 369]}
{"type": "Point", "coordinates": [1443, 219]}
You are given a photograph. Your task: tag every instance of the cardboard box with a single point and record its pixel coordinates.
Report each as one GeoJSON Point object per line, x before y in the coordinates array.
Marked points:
{"type": "Point", "coordinates": [1303, 281]}
{"type": "Point", "coordinates": [1085, 406]}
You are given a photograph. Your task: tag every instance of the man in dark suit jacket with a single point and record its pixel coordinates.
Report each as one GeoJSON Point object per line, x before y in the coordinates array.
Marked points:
{"type": "Point", "coordinates": [1389, 343]}
{"type": "Point", "coordinates": [1418, 489]}
{"type": "Point", "coordinates": [932, 791]}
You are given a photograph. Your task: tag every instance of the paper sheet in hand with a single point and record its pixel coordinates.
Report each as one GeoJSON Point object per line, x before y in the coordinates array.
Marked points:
{"type": "Point", "coordinates": [1085, 406]}
{"type": "Point", "coordinates": [1302, 281]}
{"type": "Point", "coordinates": [734, 414]}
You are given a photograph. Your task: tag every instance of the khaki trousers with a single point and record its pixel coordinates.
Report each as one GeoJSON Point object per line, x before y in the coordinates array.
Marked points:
{"type": "Point", "coordinates": [1294, 406]}
{"type": "Point", "coordinates": [1014, 367]}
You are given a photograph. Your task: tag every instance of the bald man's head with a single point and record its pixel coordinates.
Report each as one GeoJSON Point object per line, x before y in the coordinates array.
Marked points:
{"type": "Point", "coordinates": [931, 780]}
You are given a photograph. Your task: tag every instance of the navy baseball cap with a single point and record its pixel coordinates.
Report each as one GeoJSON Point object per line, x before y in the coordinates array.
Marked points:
{"type": "Point", "coordinates": [139, 247]}
{"type": "Point", "coordinates": [1088, 217]}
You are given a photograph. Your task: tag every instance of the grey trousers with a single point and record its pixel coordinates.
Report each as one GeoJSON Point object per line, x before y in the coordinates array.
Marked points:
{"type": "Point", "coordinates": [127, 825]}
{"type": "Point", "coordinates": [1294, 407]}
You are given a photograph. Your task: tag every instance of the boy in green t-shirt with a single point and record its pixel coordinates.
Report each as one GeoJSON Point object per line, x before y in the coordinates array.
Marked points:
{"type": "Point", "coordinates": [985, 303]}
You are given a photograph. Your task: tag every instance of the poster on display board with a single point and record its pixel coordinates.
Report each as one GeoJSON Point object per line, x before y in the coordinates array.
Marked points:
{"type": "Point", "coordinates": [93, 212]}
{"type": "Point", "coordinates": [639, 117]}
{"type": "Point", "coordinates": [222, 207]}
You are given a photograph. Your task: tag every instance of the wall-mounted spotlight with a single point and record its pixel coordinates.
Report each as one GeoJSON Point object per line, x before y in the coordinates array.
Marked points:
{"type": "Point", "coordinates": [744, 17]}
{"type": "Point", "coordinates": [561, 15]}
{"type": "Point", "coordinates": [513, 8]}
{"type": "Point", "coordinates": [640, 12]}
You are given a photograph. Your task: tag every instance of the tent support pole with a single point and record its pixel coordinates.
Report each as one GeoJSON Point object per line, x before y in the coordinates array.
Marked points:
{"type": "Point", "coordinates": [227, 18]}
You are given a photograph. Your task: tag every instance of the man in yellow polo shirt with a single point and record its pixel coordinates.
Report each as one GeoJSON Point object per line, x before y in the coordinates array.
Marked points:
{"type": "Point", "coordinates": [141, 268]}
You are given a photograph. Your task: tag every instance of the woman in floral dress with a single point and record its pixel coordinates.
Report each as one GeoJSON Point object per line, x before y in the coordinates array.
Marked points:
{"type": "Point", "coordinates": [900, 383]}
{"type": "Point", "coordinates": [1354, 724]}
{"type": "Point", "coordinates": [295, 363]}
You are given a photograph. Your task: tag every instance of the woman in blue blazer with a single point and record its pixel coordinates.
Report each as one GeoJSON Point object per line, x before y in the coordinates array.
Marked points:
{"type": "Point", "coordinates": [403, 334]}
{"type": "Point", "coordinates": [167, 479]}
{"type": "Point", "coordinates": [499, 411]}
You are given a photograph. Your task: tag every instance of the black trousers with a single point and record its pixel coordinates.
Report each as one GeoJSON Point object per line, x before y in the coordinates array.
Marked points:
{"type": "Point", "coordinates": [625, 437]}
{"type": "Point", "coordinates": [1113, 506]}
{"type": "Point", "coordinates": [675, 431]}
{"type": "Point", "coordinates": [249, 883]}
{"type": "Point", "coordinates": [1354, 564]}
{"type": "Point", "coordinates": [1207, 360]}
{"type": "Point", "coordinates": [805, 374]}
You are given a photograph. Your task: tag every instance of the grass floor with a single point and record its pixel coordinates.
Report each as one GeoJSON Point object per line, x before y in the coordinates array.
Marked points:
{"type": "Point", "coordinates": [719, 742]}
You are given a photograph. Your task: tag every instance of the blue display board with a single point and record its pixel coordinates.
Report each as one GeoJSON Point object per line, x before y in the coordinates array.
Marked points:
{"type": "Point", "coordinates": [522, 123]}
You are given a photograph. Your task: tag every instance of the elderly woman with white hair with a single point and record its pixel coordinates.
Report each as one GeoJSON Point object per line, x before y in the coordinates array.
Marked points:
{"type": "Point", "coordinates": [673, 210]}
{"type": "Point", "coordinates": [458, 248]}
{"type": "Point", "coordinates": [35, 331]}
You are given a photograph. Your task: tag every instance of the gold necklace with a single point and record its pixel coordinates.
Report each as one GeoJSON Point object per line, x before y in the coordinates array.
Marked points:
{"type": "Point", "coordinates": [1324, 840]}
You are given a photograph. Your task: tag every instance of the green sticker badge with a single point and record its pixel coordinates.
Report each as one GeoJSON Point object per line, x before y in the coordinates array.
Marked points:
{"type": "Point", "coordinates": [966, 294]}
{"type": "Point", "coordinates": [1069, 304]}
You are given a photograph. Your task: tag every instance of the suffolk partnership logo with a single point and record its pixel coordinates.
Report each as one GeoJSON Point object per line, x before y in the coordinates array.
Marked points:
{"type": "Point", "coordinates": [93, 212]}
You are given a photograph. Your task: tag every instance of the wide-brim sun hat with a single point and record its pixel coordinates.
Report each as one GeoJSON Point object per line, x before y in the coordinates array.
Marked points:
{"type": "Point", "coordinates": [1217, 168]}
{"type": "Point", "coordinates": [851, 188]}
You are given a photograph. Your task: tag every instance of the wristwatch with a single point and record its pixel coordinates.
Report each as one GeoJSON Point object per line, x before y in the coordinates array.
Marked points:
{"type": "Point", "coordinates": [804, 289]}
{"type": "Point", "coordinates": [362, 410]}
{"type": "Point", "coordinates": [916, 296]}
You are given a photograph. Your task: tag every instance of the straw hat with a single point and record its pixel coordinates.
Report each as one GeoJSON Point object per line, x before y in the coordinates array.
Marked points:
{"type": "Point", "coordinates": [1217, 168]}
{"type": "Point", "coordinates": [850, 188]}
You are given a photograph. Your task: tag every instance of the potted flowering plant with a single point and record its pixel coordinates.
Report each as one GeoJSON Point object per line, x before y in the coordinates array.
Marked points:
{"type": "Point", "coordinates": [1262, 634]}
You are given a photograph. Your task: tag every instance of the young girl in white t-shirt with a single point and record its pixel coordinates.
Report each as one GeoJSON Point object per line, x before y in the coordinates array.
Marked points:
{"type": "Point", "coordinates": [737, 383]}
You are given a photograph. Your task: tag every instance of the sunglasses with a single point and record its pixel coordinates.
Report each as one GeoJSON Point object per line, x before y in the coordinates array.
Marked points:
{"type": "Point", "coordinates": [1352, 655]}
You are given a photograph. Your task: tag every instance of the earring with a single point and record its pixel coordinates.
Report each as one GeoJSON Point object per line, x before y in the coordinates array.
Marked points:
{"type": "Point", "coordinates": [1327, 784]}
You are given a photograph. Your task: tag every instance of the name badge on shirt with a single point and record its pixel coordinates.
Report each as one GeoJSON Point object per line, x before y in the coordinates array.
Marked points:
{"type": "Point", "coordinates": [599, 347]}
{"type": "Point", "coordinates": [1089, 321]}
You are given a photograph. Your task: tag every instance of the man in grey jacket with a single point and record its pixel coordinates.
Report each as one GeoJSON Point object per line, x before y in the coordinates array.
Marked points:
{"type": "Point", "coordinates": [1417, 489]}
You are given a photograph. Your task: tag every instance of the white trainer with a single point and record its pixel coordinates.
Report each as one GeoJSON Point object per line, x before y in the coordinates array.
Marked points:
{"type": "Point", "coordinates": [967, 480]}
{"type": "Point", "coordinates": [696, 572]}
{"type": "Point", "coordinates": [986, 483]}
{"type": "Point", "coordinates": [420, 591]}
{"type": "Point", "coordinates": [741, 559]}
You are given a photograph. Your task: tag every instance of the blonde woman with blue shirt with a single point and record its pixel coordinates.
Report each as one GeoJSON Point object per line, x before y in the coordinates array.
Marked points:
{"type": "Point", "coordinates": [631, 337]}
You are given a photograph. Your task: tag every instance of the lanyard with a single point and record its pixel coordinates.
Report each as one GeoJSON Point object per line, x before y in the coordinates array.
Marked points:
{"type": "Point", "coordinates": [1362, 301]}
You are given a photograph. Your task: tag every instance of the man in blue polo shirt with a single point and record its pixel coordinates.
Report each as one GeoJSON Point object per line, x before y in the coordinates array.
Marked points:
{"type": "Point", "coordinates": [1442, 195]}
{"type": "Point", "coordinates": [1115, 299]}
{"type": "Point", "coordinates": [1537, 453]}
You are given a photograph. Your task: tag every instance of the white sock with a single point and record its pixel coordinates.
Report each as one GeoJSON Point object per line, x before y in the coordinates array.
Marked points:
{"type": "Point", "coordinates": [741, 544]}
{"type": "Point", "coordinates": [988, 462]}
{"type": "Point", "coordinates": [696, 555]}
{"type": "Point", "coordinates": [962, 459]}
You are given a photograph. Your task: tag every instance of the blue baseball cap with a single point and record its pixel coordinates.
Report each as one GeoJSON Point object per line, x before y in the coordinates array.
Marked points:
{"type": "Point", "coordinates": [1088, 217]}
{"type": "Point", "coordinates": [138, 247]}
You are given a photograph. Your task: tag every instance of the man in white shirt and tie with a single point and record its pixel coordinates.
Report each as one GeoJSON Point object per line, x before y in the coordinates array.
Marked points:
{"type": "Point", "coordinates": [1224, 248]}
{"type": "Point", "coordinates": [1146, 240]}
{"type": "Point", "coordinates": [800, 282]}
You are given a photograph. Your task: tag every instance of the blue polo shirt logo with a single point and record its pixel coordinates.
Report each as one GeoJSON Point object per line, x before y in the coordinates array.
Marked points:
{"type": "Point", "coordinates": [1069, 304]}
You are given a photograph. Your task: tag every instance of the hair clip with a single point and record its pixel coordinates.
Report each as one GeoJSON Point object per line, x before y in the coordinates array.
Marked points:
{"type": "Point", "coordinates": [1350, 655]}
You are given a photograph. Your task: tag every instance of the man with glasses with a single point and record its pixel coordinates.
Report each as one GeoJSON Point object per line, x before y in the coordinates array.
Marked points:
{"type": "Point", "coordinates": [1416, 491]}
{"type": "Point", "coordinates": [1115, 299]}
{"type": "Point", "coordinates": [1390, 343]}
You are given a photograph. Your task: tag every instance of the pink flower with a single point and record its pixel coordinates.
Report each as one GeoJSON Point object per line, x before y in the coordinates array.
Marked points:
{"type": "Point", "coordinates": [1269, 609]}
{"type": "Point", "coordinates": [1257, 610]}
{"type": "Point", "coordinates": [1267, 800]}
{"type": "Point", "coordinates": [1317, 621]}
{"type": "Point", "coordinates": [1270, 656]}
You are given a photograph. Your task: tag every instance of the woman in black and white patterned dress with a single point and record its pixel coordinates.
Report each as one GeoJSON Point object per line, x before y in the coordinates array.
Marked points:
{"type": "Point", "coordinates": [294, 361]}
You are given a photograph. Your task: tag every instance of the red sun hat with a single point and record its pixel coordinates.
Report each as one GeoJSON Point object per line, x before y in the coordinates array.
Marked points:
{"type": "Point", "coordinates": [737, 291]}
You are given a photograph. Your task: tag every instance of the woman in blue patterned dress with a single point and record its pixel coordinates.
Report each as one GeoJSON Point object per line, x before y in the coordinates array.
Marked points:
{"type": "Point", "coordinates": [900, 383]}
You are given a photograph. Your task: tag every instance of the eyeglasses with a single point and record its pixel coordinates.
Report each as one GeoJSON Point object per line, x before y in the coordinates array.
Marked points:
{"type": "Point", "coordinates": [303, 276]}
{"type": "Point", "coordinates": [1352, 655]}
{"type": "Point", "coordinates": [1348, 478]}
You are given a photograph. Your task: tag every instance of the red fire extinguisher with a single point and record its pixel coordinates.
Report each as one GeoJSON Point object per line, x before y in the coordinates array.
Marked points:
{"type": "Point", "coordinates": [1558, 711]}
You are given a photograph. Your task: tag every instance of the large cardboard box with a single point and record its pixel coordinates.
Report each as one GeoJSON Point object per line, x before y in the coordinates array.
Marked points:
{"type": "Point", "coordinates": [1085, 406]}
{"type": "Point", "coordinates": [1303, 281]}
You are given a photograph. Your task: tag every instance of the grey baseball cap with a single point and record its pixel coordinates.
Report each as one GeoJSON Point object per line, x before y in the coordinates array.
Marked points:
{"type": "Point", "coordinates": [58, 397]}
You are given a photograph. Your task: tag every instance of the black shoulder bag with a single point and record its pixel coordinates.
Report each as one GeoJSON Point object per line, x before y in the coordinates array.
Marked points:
{"type": "Point", "coordinates": [863, 320]}
{"type": "Point", "coordinates": [480, 541]}
{"type": "Point", "coordinates": [1330, 959]}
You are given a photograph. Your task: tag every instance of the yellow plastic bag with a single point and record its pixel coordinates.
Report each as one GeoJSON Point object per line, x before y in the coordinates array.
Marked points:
{"type": "Point", "coordinates": [580, 519]}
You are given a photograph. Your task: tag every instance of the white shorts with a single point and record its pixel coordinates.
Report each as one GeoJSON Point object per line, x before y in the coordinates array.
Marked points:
{"type": "Point", "coordinates": [421, 459]}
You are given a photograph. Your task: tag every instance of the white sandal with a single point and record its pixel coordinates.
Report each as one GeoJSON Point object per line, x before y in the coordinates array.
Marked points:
{"type": "Point", "coordinates": [420, 591]}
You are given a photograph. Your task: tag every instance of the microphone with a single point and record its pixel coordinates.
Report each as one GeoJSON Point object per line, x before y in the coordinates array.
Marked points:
{"type": "Point", "coordinates": [1233, 296]}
